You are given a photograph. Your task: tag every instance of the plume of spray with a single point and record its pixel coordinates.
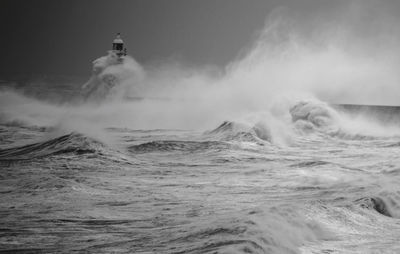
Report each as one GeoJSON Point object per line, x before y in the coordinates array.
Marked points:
{"type": "Point", "coordinates": [108, 72]}
{"type": "Point", "coordinates": [294, 58]}
{"type": "Point", "coordinates": [289, 62]}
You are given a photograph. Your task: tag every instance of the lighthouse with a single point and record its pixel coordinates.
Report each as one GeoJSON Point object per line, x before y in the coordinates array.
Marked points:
{"type": "Point", "coordinates": [118, 46]}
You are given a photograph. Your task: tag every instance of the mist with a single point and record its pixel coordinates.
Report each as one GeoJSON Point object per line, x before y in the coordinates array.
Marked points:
{"type": "Point", "coordinates": [346, 55]}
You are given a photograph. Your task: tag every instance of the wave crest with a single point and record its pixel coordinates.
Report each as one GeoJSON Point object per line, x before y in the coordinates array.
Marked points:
{"type": "Point", "coordinates": [232, 131]}
{"type": "Point", "coordinates": [73, 143]}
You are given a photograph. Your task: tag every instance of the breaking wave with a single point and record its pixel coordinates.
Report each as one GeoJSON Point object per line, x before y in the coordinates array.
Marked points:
{"type": "Point", "coordinates": [318, 114]}
{"type": "Point", "coordinates": [73, 143]}
{"type": "Point", "coordinates": [303, 118]}
{"type": "Point", "coordinates": [111, 78]}
{"type": "Point", "coordinates": [232, 131]}
{"type": "Point", "coordinates": [315, 116]}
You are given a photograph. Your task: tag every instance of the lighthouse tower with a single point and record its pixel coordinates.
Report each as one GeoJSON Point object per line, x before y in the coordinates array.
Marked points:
{"type": "Point", "coordinates": [118, 46]}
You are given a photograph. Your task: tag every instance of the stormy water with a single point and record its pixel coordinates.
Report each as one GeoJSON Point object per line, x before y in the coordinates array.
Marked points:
{"type": "Point", "coordinates": [330, 186]}
{"type": "Point", "coordinates": [262, 157]}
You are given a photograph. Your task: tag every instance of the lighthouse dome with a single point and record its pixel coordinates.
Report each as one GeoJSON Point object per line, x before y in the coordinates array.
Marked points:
{"type": "Point", "coordinates": [118, 39]}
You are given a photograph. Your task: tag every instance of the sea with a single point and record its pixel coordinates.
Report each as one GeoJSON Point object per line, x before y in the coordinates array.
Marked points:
{"type": "Point", "coordinates": [75, 178]}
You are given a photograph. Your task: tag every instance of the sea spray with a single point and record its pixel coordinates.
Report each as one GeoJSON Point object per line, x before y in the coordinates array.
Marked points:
{"type": "Point", "coordinates": [283, 67]}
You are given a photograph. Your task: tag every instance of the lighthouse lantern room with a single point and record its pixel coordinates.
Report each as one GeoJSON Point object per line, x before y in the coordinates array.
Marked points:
{"type": "Point", "coordinates": [118, 46]}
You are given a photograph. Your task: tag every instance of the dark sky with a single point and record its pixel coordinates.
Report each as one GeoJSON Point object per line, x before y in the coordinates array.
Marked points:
{"type": "Point", "coordinates": [63, 37]}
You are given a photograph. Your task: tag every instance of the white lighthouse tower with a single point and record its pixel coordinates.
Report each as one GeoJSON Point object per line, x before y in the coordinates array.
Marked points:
{"type": "Point", "coordinates": [118, 46]}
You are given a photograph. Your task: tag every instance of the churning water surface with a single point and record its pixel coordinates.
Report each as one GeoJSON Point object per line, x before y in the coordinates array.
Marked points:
{"type": "Point", "coordinates": [231, 189]}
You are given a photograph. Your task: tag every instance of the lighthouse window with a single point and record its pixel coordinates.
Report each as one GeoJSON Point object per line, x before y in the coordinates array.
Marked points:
{"type": "Point", "coordinates": [119, 46]}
